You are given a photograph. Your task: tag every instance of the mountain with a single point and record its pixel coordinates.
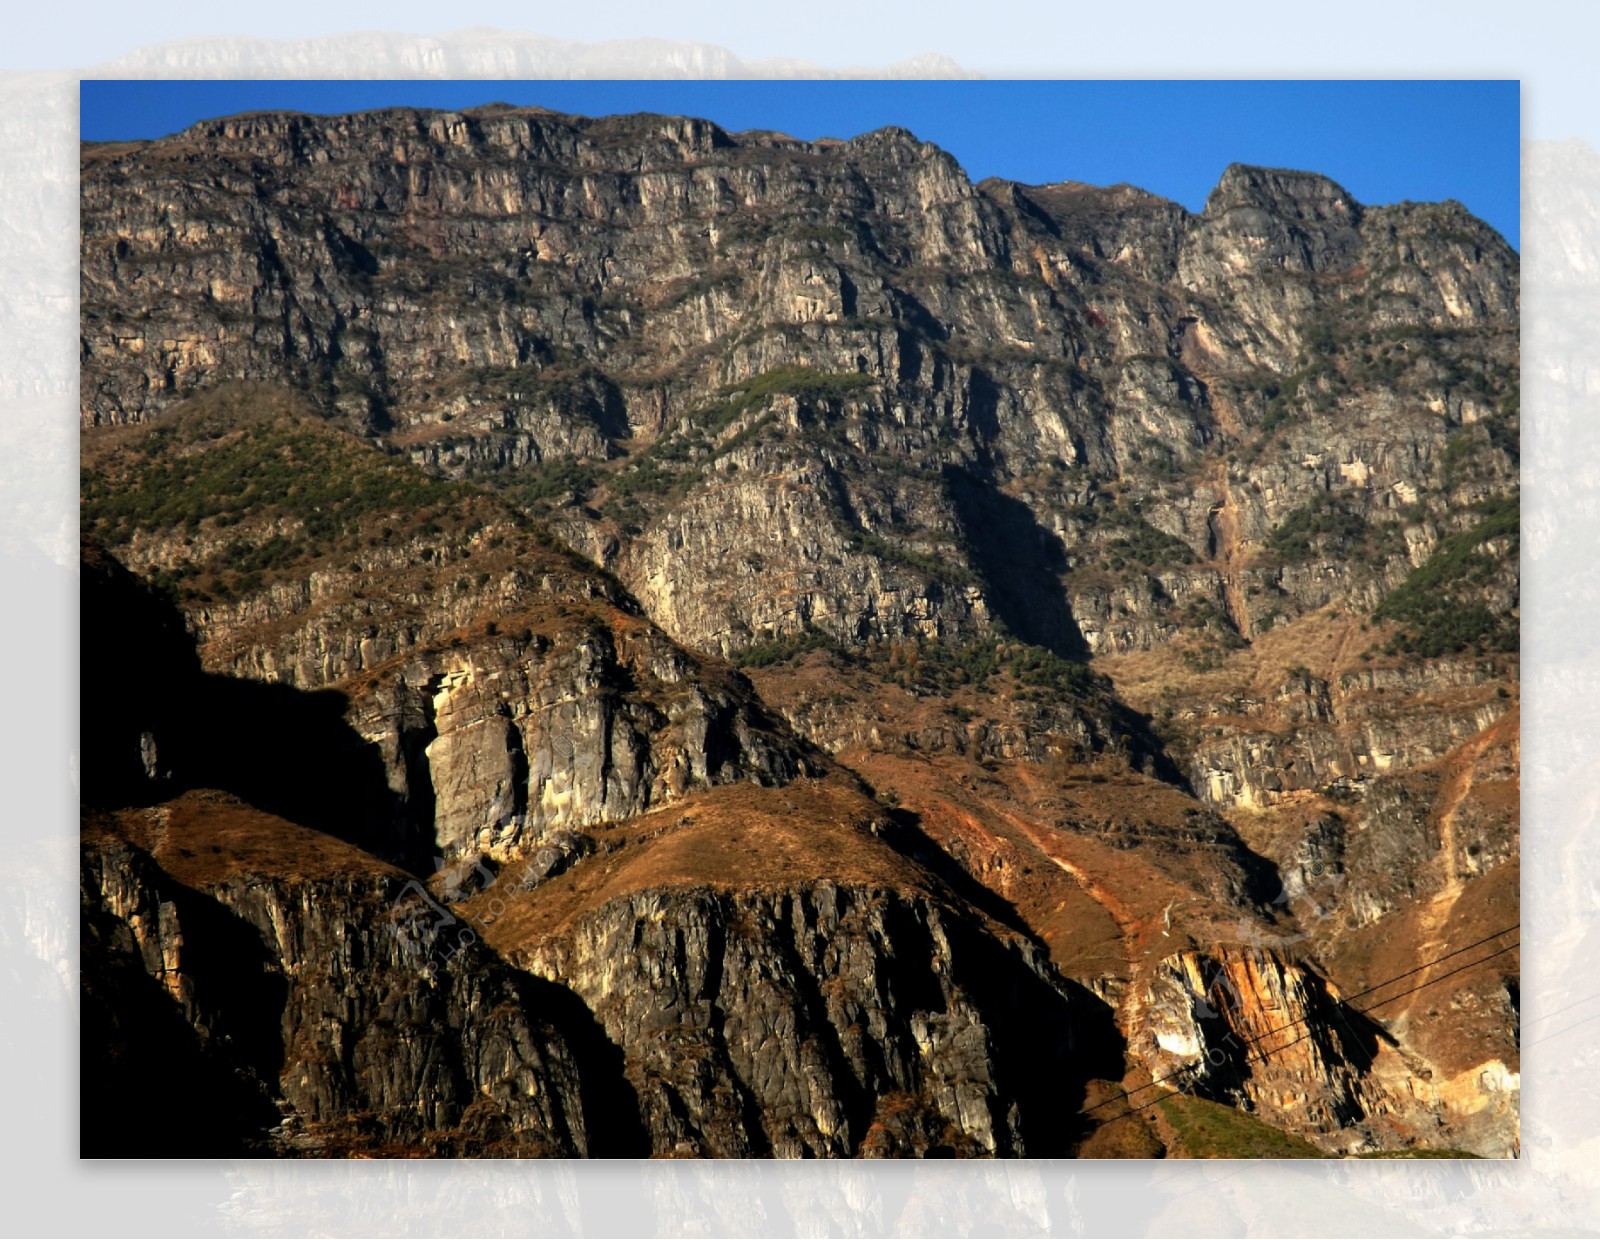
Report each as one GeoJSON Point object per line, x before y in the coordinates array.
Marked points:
{"type": "Point", "coordinates": [721, 645]}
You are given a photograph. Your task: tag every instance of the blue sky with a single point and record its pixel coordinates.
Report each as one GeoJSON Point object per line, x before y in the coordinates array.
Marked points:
{"type": "Point", "coordinates": [1383, 141]}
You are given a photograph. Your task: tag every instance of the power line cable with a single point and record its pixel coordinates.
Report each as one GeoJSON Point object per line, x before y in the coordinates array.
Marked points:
{"type": "Point", "coordinates": [1312, 1033]}
{"type": "Point", "coordinates": [1346, 1001]}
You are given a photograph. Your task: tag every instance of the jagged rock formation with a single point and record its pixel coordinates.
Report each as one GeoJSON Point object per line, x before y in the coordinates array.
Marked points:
{"type": "Point", "coordinates": [506, 289]}
{"type": "Point", "coordinates": [297, 987]}
{"type": "Point", "coordinates": [1247, 1023]}
{"type": "Point", "coordinates": [850, 1020]}
{"type": "Point", "coordinates": [1126, 600]}
{"type": "Point", "coordinates": [379, 1017]}
{"type": "Point", "coordinates": [567, 708]}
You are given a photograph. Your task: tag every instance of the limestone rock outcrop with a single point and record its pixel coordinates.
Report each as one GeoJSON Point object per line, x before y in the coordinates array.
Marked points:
{"type": "Point", "coordinates": [862, 662]}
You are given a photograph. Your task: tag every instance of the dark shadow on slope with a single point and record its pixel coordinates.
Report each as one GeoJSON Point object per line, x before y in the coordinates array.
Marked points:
{"type": "Point", "coordinates": [148, 1088]}
{"type": "Point", "coordinates": [1144, 748]}
{"type": "Point", "coordinates": [910, 840]}
{"type": "Point", "coordinates": [151, 1084]}
{"type": "Point", "coordinates": [1021, 564]}
{"type": "Point", "coordinates": [612, 1118]}
{"type": "Point", "coordinates": [291, 753]}
{"type": "Point", "coordinates": [154, 724]}
{"type": "Point", "coordinates": [1263, 883]}
{"type": "Point", "coordinates": [983, 407]}
{"type": "Point", "coordinates": [138, 670]}
{"type": "Point", "coordinates": [1050, 1038]}
{"type": "Point", "coordinates": [1355, 1036]}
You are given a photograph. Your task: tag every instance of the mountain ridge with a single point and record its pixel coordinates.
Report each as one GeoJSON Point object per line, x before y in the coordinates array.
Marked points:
{"type": "Point", "coordinates": [680, 517]}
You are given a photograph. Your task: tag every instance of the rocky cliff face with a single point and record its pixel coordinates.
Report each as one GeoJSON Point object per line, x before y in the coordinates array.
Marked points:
{"type": "Point", "coordinates": [911, 374]}
{"type": "Point", "coordinates": [496, 690]}
{"type": "Point", "coordinates": [1116, 598]}
{"type": "Point", "coordinates": [297, 987]}
{"type": "Point", "coordinates": [1253, 1029]}
{"type": "Point", "coordinates": [824, 1022]}
{"type": "Point", "coordinates": [364, 1010]}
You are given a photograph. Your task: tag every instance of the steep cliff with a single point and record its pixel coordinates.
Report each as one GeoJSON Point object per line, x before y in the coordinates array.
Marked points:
{"type": "Point", "coordinates": [868, 651]}
{"type": "Point", "coordinates": [299, 1003]}
{"type": "Point", "coordinates": [487, 686]}
{"type": "Point", "coordinates": [898, 377]}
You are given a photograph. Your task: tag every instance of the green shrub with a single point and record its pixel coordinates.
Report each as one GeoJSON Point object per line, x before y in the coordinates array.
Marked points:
{"type": "Point", "coordinates": [1135, 542]}
{"type": "Point", "coordinates": [1208, 1129]}
{"type": "Point", "coordinates": [936, 667]}
{"type": "Point", "coordinates": [1328, 524]}
{"type": "Point", "coordinates": [798, 381]}
{"type": "Point", "coordinates": [786, 649]}
{"type": "Point", "coordinates": [266, 469]}
{"type": "Point", "coordinates": [929, 566]}
{"type": "Point", "coordinates": [240, 456]}
{"type": "Point", "coordinates": [554, 480]}
{"type": "Point", "coordinates": [1435, 606]}
{"type": "Point", "coordinates": [1282, 396]}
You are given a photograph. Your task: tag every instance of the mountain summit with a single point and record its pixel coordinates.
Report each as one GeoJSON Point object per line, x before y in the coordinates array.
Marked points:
{"type": "Point", "coordinates": [682, 642]}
